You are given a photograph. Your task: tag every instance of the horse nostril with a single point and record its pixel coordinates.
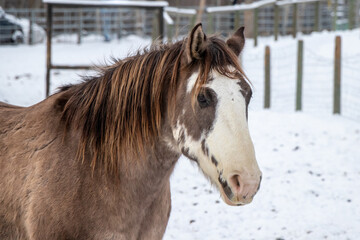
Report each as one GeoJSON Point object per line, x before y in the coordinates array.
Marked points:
{"type": "Point", "coordinates": [234, 183]}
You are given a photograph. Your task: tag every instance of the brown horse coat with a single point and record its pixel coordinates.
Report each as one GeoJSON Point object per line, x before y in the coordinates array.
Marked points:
{"type": "Point", "coordinates": [46, 194]}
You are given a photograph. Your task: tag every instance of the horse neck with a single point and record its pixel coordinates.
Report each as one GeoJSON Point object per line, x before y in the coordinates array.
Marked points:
{"type": "Point", "coordinates": [150, 172]}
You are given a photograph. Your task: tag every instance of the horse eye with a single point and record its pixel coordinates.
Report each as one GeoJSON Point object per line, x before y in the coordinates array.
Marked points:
{"type": "Point", "coordinates": [203, 102]}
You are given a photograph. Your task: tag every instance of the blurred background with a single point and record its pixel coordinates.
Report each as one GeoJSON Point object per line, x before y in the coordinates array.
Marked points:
{"type": "Point", "coordinates": [303, 59]}
{"type": "Point", "coordinates": [308, 16]}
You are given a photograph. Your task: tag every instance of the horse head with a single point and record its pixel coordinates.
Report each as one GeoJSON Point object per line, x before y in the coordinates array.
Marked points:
{"type": "Point", "coordinates": [209, 124]}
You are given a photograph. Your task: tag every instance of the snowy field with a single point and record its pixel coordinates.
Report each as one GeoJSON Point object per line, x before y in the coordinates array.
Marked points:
{"type": "Point", "coordinates": [310, 162]}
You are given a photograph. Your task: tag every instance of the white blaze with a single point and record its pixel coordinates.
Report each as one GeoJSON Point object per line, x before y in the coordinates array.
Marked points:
{"type": "Point", "coordinates": [229, 139]}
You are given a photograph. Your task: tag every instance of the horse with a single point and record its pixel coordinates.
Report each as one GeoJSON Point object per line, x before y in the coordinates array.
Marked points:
{"type": "Point", "coordinates": [93, 160]}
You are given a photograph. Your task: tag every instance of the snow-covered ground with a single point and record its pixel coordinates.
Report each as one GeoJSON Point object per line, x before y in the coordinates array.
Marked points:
{"type": "Point", "coordinates": [310, 160]}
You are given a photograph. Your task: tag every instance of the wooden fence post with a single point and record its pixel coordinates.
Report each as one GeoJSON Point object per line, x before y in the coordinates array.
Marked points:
{"type": "Point", "coordinates": [299, 75]}
{"type": "Point", "coordinates": [317, 16]}
{"type": "Point", "coordinates": [267, 78]}
{"type": "Point", "coordinates": [294, 23]}
{"type": "Point", "coordinates": [255, 26]}
{"type": "Point", "coordinates": [337, 76]}
{"type": "Point", "coordinates": [276, 21]}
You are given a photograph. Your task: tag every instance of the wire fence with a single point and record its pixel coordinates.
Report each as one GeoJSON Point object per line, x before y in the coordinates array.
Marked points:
{"type": "Point", "coordinates": [90, 21]}
{"type": "Point", "coordinates": [351, 86]}
{"type": "Point", "coordinates": [317, 81]}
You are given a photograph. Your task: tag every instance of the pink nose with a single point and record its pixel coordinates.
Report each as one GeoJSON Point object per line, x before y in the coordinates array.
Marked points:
{"type": "Point", "coordinates": [244, 188]}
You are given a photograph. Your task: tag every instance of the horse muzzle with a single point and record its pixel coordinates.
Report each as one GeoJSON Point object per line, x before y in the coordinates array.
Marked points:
{"type": "Point", "coordinates": [239, 190]}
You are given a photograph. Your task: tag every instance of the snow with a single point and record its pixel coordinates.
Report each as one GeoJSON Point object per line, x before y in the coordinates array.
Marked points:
{"type": "Point", "coordinates": [167, 18]}
{"type": "Point", "coordinates": [119, 3]}
{"type": "Point", "coordinates": [254, 5]}
{"type": "Point", "coordinates": [2, 12]}
{"type": "Point", "coordinates": [286, 2]}
{"type": "Point", "coordinates": [240, 7]}
{"type": "Point", "coordinates": [310, 159]}
{"type": "Point", "coordinates": [184, 11]}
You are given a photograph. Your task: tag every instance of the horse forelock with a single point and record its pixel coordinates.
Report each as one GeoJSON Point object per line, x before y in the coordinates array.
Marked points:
{"type": "Point", "coordinates": [119, 113]}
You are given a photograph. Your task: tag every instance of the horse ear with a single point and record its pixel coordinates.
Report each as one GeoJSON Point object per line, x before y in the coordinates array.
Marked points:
{"type": "Point", "coordinates": [236, 41]}
{"type": "Point", "coordinates": [195, 44]}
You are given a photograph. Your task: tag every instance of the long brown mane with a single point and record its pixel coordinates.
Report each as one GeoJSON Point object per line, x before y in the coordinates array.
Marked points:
{"type": "Point", "coordinates": [120, 111]}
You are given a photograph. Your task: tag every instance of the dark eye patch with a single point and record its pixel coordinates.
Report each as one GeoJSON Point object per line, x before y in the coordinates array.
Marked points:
{"type": "Point", "coordinates": [205, 98]}
{"type": "Point", "coordinates": [247, 95]}
{"type": "Point", "coordinates": [245, 90]}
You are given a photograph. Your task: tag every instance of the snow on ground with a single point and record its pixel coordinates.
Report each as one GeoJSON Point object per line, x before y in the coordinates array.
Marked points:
{"type": "Point", "coordinates": [310, 162]}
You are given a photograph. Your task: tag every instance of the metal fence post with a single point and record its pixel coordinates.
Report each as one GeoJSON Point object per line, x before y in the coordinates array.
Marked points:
{"type": "Point", "coordinates": [335, 7]}
{"type": "Point", "coordinates": [169, 31]}
{"type": "Point", "coordinates": [237, 20]}
{"type": "Point", "coordinates": [299, 75]}
{"type": "Point", "coordinates": [317, 16]}
{"type": "Point", "coordinates": [210, 26]}
{"type": "Point", "coordinates": [352, 14]}
{"type": "Point", "coordinates": [119, 25]}
{"type": "Point", "coordinates": [337, 76]}
{"type": "Point", "coordinates": [31, 27]}
{"type": "Point", "coordinates": [295, 13]}
{"type": "Point", "coordinates": [80, 26]}
{"type": "Point", "coordinates": [48, 47]}
{"type": "Point", "coordinates": [161, 24]}
{"type": "Point", "coordinates": [267, 78]}
{"type": "Point", "coordinates": [255, 26]}
{"type": "Point", "coordinates": [155, 29]}
{"type": "Point", "coordinates": [276, 21]}
{"type": "Point", "coordinates": [192, 21]}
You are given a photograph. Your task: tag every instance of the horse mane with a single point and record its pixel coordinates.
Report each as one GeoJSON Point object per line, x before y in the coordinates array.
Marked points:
{"type": "Point", "coordinates": [121, 110]}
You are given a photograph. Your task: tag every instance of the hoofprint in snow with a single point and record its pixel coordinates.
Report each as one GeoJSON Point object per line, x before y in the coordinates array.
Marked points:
{"type": "Point", "coordinates": [310, 163]}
